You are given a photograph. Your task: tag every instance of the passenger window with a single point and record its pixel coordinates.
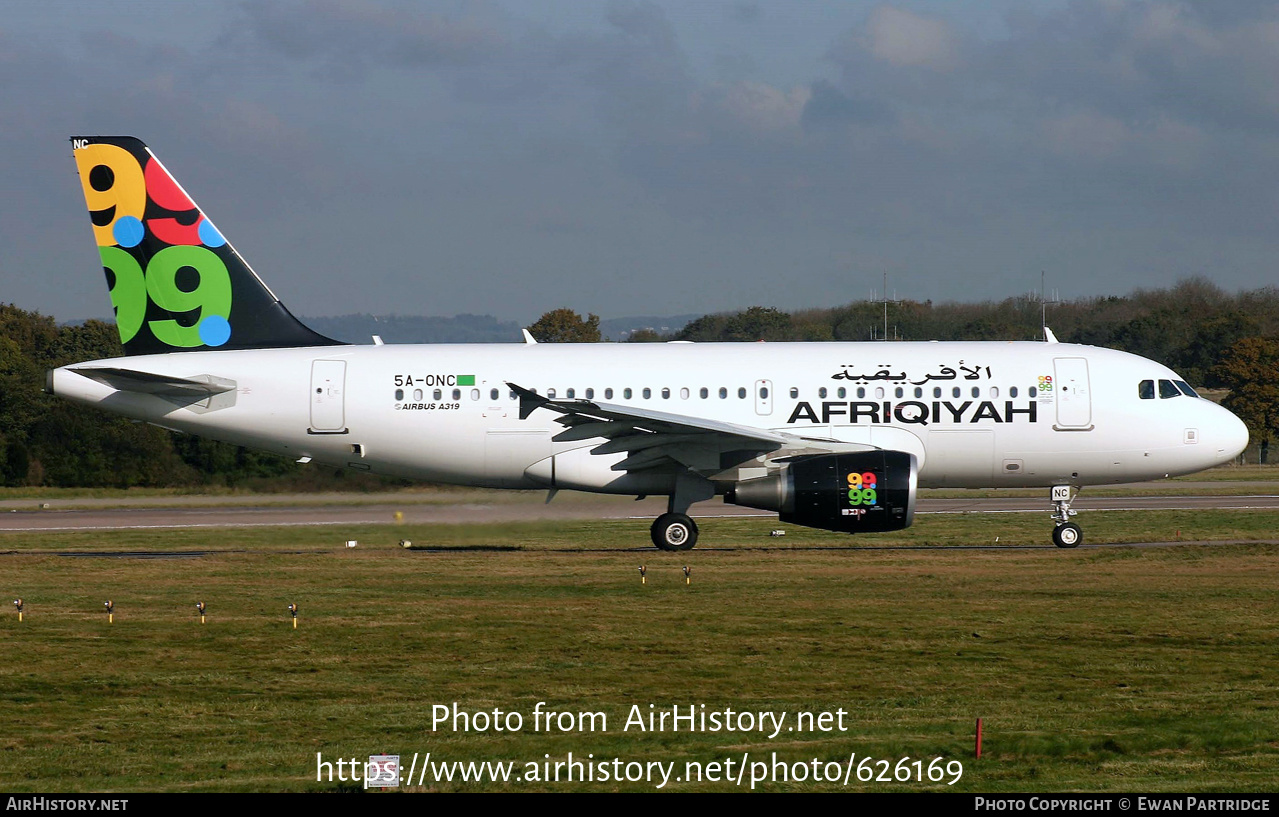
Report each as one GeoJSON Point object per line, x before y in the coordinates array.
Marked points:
{"type": "Point", "coordinates": [608, 394]}
{"type": "Point", "coordinates": [994, 391]}
{"type": "Point", "coordinates": [899, 392]}
{"type": "Point", "coordinates": [648, 393]}
{"type": "Point", "coordinates": [666, 394]}
{"type": "Point", "coordinates": [570, 393]}
{"type": "Point", "coordinates": [1167, 389]}
{"type": "Point", "coordinates": [437, 395]}
{"type": "Point", "coordinates": [627, 393]}
{"type": "Point", "coordinates": [936, 391]}
{"type": "Point", "coordinates": [794, 392]}
{"type": "Point", "coordinates": [1012, 391]}
{"type": "Point", "coordinates": [683, 394]}
{"type": "Point", "coordinates": [704, 393]}
{"type": "Point", "coordinates": [955, 392]}
{"type": "Point", "coordinates": [919, 392]}
{"type": "Point", "coordinates": [741, 394]}
{"type": "Point", "coordinates": [1185, 388]}
{"type": "Point", "coordinates": [822, 392]}
{"type": "Point", "coordinates": [549, 393]}
{"type": "Point", "coordinates": [417, 395]}
{"type": "Point", "coordinates": [843, 392]}
{"type": "Point", "coordinates": [763, 394]}
{"type": "Point", "coordinates": [475, 394]}
{"type": "Point", "coordinates": [493, 395]}
{"type": "Point", "coordinates": [457, 394]}
{"type": "Point", "coordinates": [399, 394]}
{"type": "Point", "coordinates": [976, 392]}
{"type": "Point", "coordinates": [723, 393]}
{"type": "Point", "coordinates": [514, 396]}
{"type": "Point", "coordinates": [879, 392]}
{"type": "Point", "coordinates": [1146, 390]}
{"type": "Point", "coordinates": [590, 394]}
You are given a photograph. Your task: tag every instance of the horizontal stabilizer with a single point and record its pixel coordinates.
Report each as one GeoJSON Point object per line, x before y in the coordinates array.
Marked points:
{"type": "Point", "coordinates": [199, 387]}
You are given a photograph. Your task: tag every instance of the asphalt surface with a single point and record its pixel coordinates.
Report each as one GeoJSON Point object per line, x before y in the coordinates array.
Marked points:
{"type": "Point", "coordinates": [472, 508]}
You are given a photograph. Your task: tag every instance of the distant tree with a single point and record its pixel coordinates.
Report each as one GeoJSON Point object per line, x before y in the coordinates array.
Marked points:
{"type": "Point", "coordinates": [705, 328]}
{"type": "Point", "coordinates": [753, 324]}
{"type": "Point", "coordinates": [758, 323]}
{"type": "Point", "coordinates": [565, 326]}
{"type": "Point", "coordinates": [645, 336]}
{"type": "Point", "coordinates": [1250, 369]}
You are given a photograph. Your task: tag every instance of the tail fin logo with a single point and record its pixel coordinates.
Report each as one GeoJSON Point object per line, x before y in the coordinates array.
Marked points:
{"type": "Point", "coordinates": [158, 250]}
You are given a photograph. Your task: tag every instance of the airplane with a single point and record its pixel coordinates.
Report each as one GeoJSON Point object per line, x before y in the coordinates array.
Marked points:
{"type": "Point", "coordinates": [837, 436]}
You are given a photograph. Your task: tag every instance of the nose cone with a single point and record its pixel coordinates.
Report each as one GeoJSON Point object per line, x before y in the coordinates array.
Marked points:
{"type": "Point", "coordinates": [1230, 436]}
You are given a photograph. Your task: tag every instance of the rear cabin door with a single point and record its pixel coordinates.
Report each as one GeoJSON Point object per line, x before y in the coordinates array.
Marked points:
{"type": "Point", "coordinates": [328, 397]}
{"type": "Point", "coordinates": [1074, 398]}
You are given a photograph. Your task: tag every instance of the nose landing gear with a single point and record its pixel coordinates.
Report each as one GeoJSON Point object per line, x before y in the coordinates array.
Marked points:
{"type": "Point", "coordinates": [1066, 534]}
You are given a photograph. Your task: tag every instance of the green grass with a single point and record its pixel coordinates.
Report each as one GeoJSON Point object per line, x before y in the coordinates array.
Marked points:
{"type": "Point", "coordinates": [1105, 669]}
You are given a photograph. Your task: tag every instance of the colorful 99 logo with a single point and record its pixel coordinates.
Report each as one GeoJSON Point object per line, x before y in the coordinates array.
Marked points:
{"type": "Point", "coordinates": [861, 488]}
{"type": "Point", "coordinates": [140, 214]}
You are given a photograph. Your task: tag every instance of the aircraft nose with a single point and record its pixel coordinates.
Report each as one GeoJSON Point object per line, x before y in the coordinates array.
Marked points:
{"type": "Point", "coordinates": [1231, 436]}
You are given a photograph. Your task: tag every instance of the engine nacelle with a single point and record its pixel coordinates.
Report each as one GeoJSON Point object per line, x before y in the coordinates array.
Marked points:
{"type": "Point", "coordinates": [857, 492]}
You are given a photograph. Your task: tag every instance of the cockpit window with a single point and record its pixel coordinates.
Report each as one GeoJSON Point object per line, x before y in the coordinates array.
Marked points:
{"type": "Point", "coordinates": [1167, 389]}
{"type": "Point", "coordinates": [1185, 388]}
{"type": "Point", "coordinates": [1146, 390]}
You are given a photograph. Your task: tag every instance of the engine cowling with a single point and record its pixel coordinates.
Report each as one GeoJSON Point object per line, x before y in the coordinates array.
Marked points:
{"type": "Point", "coordinates": [857, 492]}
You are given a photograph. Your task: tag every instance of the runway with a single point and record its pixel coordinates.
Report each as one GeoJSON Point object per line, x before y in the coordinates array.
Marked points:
{"type": "Point", "coordinates": [476, 507]}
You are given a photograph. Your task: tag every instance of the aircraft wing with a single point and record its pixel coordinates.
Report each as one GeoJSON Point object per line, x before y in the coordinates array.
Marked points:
{"type": "Point", "coordinates": [653, 439]}
{"type": "Point", "coordinates": [201, 387]}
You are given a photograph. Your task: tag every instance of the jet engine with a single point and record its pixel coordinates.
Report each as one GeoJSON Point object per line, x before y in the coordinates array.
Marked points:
{"type": "Point", "coordinates": [856, 492]}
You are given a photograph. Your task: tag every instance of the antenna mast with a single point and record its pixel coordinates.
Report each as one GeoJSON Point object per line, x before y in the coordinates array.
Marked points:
{"type": "Point", "coordinates": [885, 301]}
{"type": "Point", "coordinates": [1044, 303]}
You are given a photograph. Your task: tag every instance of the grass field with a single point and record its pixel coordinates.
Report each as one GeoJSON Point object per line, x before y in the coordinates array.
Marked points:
{"type": "Point", "coordinates": [1113, 668]}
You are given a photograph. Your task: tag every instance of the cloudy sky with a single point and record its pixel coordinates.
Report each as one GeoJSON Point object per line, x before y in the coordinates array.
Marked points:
{"type": "Point", "coordinates": [635, 157]}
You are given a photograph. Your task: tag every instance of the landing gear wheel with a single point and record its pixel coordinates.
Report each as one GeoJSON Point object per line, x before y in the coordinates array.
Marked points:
{"type": "Point", "coordinates": [674, 531]}
{"type": "Point", "coordinates": [1068, 535]}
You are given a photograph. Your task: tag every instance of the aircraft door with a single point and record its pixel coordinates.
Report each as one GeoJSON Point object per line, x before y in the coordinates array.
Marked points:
{"type": "Point", "coordinates": [328, 397]}
{"type": "Point", "coordinates": [763, 397]}
{"type": "Point", "coordinates": [1073, 397]}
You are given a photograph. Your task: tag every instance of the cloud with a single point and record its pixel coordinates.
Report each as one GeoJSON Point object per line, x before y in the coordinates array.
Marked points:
{"type": "Point", "coordinates": [902, 38]}
{"type": "Point", "coordinates": [353, 34]}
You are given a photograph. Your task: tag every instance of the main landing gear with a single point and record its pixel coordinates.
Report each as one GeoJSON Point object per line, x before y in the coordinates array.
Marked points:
{"type": "Point", "coordinates": [675, 530]}
{"type": "Point", "coordinates": [1067, 534]}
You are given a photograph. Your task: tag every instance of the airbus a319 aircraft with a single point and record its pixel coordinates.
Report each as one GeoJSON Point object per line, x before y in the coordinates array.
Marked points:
{"type": "Point", "coordinates": [829, 435]}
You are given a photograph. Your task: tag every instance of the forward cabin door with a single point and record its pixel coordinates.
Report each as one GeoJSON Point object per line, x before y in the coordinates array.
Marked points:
{"type": "Point", "coordinates": [328, 397]}
{"type": "Point", "coordinates": [1074, 399]}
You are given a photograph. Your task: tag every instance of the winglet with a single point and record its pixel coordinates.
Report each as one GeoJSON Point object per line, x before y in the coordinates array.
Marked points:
{"type": "Point", "coordinates": [529, 340]}
{"type": "Point", "coordinates": [530, 401]}
{"type": "Point", "coordinates": [1049, 337]}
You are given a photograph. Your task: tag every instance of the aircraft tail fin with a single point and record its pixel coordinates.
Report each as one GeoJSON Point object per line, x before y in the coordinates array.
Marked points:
{"type": "Point", "coordinates": [176, 284]}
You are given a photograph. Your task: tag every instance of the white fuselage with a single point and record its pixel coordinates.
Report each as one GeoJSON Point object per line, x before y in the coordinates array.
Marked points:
{"type": "Point", "coordinates": [975, 414]}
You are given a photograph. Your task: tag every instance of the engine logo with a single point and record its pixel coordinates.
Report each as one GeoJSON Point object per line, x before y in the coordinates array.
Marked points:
{"type": "Point", "coordinates": [861, 489]}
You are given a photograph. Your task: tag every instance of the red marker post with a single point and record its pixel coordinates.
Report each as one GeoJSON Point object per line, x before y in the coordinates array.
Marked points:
{"type": "Point", "coordinates": [979, 738]}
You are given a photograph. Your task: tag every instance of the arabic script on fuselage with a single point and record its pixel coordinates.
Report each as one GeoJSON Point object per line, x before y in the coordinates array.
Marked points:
{"type": "Point", "coordinates": [943, 373]}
